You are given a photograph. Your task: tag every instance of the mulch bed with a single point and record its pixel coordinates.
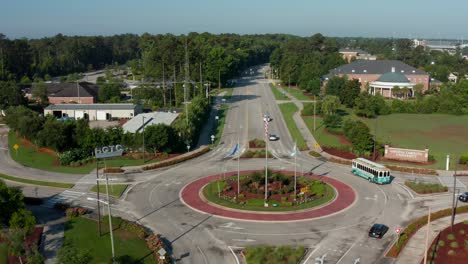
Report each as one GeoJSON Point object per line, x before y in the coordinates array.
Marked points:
{"type": "Point", "coordinates": [448, 253]}
{"type": "Point", "coordinates": [345, 154]}
{"type": "Point", "coordinates": [31, 241]}
{"type": "Point", "coordinates": [342, 138]}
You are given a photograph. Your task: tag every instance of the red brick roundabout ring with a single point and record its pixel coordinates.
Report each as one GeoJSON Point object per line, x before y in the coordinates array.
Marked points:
{"type": "Point", "coordinates": [191, 196]}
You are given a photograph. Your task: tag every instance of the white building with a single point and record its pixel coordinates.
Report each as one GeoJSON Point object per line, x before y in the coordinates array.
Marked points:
{"type": "Point", "coordinates": [93, 111]}
{"type": "Point", "coordinates": [137, 123]}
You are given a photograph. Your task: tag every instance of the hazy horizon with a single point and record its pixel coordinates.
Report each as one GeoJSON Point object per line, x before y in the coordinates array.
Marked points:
{"type": "Point", "coordinates": [334, 18]}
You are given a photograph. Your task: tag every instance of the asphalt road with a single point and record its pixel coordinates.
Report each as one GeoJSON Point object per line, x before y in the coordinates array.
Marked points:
{"type": "Point", "coordinates": [201, 238]}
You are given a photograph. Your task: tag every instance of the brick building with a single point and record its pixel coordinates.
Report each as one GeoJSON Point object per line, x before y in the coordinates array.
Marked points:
{"type": "Point", "coordinates": [349, 54]}
{"type": "Point", "coordinates": [64, 93]}
{"type": "Point", "coordinates": [368, 71]}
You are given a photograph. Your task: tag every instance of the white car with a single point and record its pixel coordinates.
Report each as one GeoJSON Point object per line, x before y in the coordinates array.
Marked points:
{"type": "Point", "coordinates": [273, 137]}
{"type": "Point", "coordinates": [267, 118]}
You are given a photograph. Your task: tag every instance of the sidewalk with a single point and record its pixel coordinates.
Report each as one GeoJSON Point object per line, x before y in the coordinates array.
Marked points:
{"type": "Point", "coordinates": [414, 250]}
{"type": "Point", "coordinates": [301, 125]}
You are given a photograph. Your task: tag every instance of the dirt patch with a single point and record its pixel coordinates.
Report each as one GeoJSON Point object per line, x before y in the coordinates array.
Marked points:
{"type": "Point", "coordinates": [342, 138]}
{"type": "Point", "coordinates": [345, 154]}
{"type": "Point", "coordinates": [25, 142]}
{"type": "Point", "coordinates": [450, 246]}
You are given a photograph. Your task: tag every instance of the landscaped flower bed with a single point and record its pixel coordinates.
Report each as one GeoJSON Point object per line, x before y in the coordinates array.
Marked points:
{"type": "Point", "coordinates": [450, 246]}
{"type": "Point", "coordinates": [258, 153]}
{"type": "Point", "coordinates": [257, 143]}
{"type": "Point", "coordinates": [179, 159]}
{"type": "Point", "coordinates": [424, 188]}
{"type": "Point", "coordinates": [411, 229]}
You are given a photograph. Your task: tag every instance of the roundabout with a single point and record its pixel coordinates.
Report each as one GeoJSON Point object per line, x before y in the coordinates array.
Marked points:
{"type": "Point", "coordinates": [303, 208]}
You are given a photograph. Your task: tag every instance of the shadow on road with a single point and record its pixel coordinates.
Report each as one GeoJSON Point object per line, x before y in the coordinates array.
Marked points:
{"type": "Point", "coordinates": [192, 228]}
{"type": "Point", "coordinates": [157, 209]}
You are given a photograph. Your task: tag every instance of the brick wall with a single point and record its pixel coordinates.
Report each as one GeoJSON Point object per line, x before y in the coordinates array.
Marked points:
{"type": "Point", "coordinates": [66, 100]}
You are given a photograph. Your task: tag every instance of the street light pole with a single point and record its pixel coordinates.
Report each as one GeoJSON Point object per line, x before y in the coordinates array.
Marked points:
{"type": "Point", "coordinates": [453, 198]}
{"type": "Point", "coordinates": [98, 204]}
{"type": "Point", "coordinates": [427, 235]}
{"type": "Point", "coordinates": [315, 101]}
{"type": "Point", "coordinates": [144, 156]}
{"type": "Point", "coordinates": [238, 163]}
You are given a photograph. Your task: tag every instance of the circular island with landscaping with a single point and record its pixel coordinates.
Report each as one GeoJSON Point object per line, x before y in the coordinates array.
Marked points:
{"type": "Point", "coordinates": [284, 192]}
{"type": "Point", "coordinates": [314, 196]}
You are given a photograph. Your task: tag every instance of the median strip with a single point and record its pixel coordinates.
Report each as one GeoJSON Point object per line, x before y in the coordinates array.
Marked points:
{"type": "Point", "coordinates": [34, 182]}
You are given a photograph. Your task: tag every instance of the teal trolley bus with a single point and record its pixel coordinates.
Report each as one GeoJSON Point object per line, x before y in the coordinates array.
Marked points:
{"type": "Point", "coordinates": [371, 171]}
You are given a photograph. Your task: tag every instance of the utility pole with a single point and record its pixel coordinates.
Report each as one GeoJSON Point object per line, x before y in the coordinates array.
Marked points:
{"type": "Point", "coordinates": [186, 82]}
{"type": "Point", "coordinates": [201, 80]}
{"type": "Point", "coordinates": [427, 235]}
{"type": "Point", "coordinates": [219, 79]}
{"type": "Point", "coordinates": [144, 156]}
{"type": "Point", "coordinates": [78, 91]}
{"type": "Point", "coordinates": [164, 84]}
{"type": "Point", "coordinates": [110, 217]}
{"type": "Point", "coordinates": [98, 203]}
{"type": "Point", "coordinates": [375, 138]}
{"type": "Point", "coordinates": [315, 101]}
{"type": "Point", "coordinates": [453, 198]}
{"type": "Point", "coordinates": [2, 72]}
{"type": "Point", "coordinates": [238, 162]}
{"type": "Point", "coordinates": [174, 86]}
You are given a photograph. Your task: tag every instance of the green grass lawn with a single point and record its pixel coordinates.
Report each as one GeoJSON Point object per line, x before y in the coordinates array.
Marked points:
{"type": "Point", "coordinates": [82, 233]}
{"type": "Point", "coordinates": [319, 134]}
{"type": "Point", "coordinates": [297, 93]}
{"type": "Point", "coordinates": [443, 134]}
{"type": "Point", "coordinates": [423, 188]}
{"type": "Point", "coordinates": [273, 255]}
{"type": "Point", "coordinates": [278, 95]}
{"type": "Point", "coordinates": [219, 127]}
{"type": "Point", "coordinates": [288, 110]}
{"type": "Point", "coordinates": [29, 157]}
{"type": "Point", "coordinates": [34, 182]}
{"type": "Point", "coordinates": [115, 190]}
{"type": "Point", "coordinates": [211, 194]}
{"type": "Point", "coordinates": [3, 254]}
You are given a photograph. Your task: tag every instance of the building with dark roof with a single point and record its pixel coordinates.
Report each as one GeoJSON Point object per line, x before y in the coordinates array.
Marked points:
{"type": "Point", "coordinates": [63, 93]}
{"type": "Point", "coordinates": [368, 71]}
{"type": "Point", "coordinates": [93, 111]}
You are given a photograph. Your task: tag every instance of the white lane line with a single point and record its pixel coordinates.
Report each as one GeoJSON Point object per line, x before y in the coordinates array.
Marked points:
{"type": "Point", "coordinates": [347, 251]}
{"type": "Point", "coordinates": [203, 254]}
{"type": "Point", "coordinates": [234, 254]}
{"type": "Point", "coordinates": [406, 189]}
{"type": "Point", "coordinates": [310, 255]}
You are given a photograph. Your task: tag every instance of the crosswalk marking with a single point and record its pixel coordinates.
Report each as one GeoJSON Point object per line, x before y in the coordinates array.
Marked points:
{"type": "Point", "coordinates": [448, 181]}
{"type": "Point", "coordinates": [63, 197]}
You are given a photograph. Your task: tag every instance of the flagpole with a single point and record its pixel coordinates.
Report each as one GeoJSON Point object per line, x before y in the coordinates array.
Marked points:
{"type": "Point", "coordinates": [266, 161]}
{"type": "Point", "coordinates": [238, 164]}
{"type": "Point", "coordinates": [295, 170]}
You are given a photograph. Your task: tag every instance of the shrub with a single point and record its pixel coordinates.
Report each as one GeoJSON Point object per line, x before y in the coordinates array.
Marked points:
{"type": "Point", "coordinates": [441, 243]}
{"type": "Point", "coordinates": [287, 204]}
{"type": "Point", "coordinates": [23, 219]}
{"type": "Point", "coordinates": [314, 154]}
{"type": "Point", "coordinates": [113, 170]}
{"type": "Point", "coordinates": [67, 157]}
{"type": "Point", "coordinates": [241, 195]}
{"type": "Point", "coordinates": [176, 160]}
{"type": "Point", "coordinates": [451, 237]}
{"type": "Point", "coordinates": [75, 212]}
{"type": "Point", "coordinates": [452, 252]}
{"type": "Point", "coordinates": [463, 159]}
{"type": "Point", "coordinates": [454, 244]}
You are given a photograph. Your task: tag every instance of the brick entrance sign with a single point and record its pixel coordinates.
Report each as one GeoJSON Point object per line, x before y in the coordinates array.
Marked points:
{"type": "Point", "coordinates": [406, 154]}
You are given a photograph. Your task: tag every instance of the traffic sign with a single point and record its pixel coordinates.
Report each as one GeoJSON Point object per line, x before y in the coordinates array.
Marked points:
{"type": "Point", "coordinates": [304, 189]}
{"type": "Point", "coordinates": [16, 146]}
{"type": "Point", "coordinates": [397, 230]}
{"type": "Point", "coordinates": [317, 146]}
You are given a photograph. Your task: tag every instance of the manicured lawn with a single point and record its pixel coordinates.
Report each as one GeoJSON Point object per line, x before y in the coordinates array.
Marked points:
{"type": "Point", "coordinates": [34, 182]}
{"type": "Point", "coordinates": [82, 233]}
{"type": "Point", "coordinates": [297, 94]}
{"type": "Point", "coordinates": [322, 138]}
{"type": "Point", "coordinates": [29, 157]}
{"type": "Point", "coordinates": [278, 95]}
{"type": "Point", "coordinates": [288, 110]}
{"type": "Point", "coordinates": [443, 134]}
{"type": "Point", "coordinates": [273, 255]}
{"type": "Point", "coordinates": [3, 254]}
{"type": "Point", "coordinates": [210, 192]}
{"type": "Point", "coordinates": [115, 190]}
{"type": "Point", "coordinates": [218, 129]}
{"type": "Point", "coordinates": [424, 188]}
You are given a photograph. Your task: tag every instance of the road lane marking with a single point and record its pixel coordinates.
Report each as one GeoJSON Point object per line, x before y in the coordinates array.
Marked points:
{"type": "Point", "coordinates": [310, 255]}
{"type": "Point", "coordinates": [203, 254]}
{"type": "Point", "coordinates": [347, 251]}
{"type": "Point", "coordinates": [234, 254]}
{"type": "Point", "coordinates": [243, 240]}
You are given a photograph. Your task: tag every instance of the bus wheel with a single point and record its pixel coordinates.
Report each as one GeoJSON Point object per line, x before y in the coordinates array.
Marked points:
{"type": "Point", "coordinates": [369, 179]}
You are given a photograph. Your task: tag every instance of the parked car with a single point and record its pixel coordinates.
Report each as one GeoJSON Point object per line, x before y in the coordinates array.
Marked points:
{"type": "Point", "coordinates": [463, 197]}
{"type": "Point", "coordinates": [273, 137]}
{"type": "Point", "coordinates": [267, 118]}
{"type": "Point", "coordinates": [378, 230]}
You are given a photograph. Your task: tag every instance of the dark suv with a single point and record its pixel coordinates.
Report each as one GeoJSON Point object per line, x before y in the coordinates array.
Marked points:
{"type": "Point", "coordinates": [378, 230]}
{"type": "Point", "coordinates": [463, 197]}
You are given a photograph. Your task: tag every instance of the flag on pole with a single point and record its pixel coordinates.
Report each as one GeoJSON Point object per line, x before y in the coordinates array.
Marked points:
{"type": "Point", "coordinates": [266, 128]}
{"type": "Point", "coordinates": [234, 151]}
{"type": "Point", "coordinates": [294, 151]}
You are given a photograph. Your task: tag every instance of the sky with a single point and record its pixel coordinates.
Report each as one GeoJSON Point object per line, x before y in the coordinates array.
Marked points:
{"type": "Point", "coordinates": [368, 18]}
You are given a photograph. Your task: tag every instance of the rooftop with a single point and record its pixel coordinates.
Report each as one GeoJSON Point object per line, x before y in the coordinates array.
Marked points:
{"type": "Point", "coordinates": [393, 77]}
{"type": "Point", "coordinates": [81, 89]}
{"type": "Point", "coordinates": [136, 123]}
{"type": "Point", "coordinates": [354, 51]}
{"type": "Point", "coordinates": [91, 107]}
{"type": "Point", "coordinates": [375, 67]}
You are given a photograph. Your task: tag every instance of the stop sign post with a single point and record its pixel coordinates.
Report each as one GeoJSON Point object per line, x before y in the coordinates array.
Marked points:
{"type": "Point", "coordinates": [398, 231]}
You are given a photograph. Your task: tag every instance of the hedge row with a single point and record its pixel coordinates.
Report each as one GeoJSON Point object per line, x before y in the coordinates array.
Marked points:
{"type": "Point", "coordinates": [75, 212]}
{"type": "Point", "coordinates": [315, 154]}
{"type": "Point", "coordinates": [412, 170]}
{"type": "Point", "coordinates": [413, 227]}
{"type": "Point", "coordinates": [340, 161]}
{"type": "Point", "coordinates": [424, 188]}
{"type": "Point", "coordinates": [113, 170]}
{"type": "Point", "coordinates": [176, 160]}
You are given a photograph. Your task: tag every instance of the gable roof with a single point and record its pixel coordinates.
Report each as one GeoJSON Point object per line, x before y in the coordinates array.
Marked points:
{"type": "Point", "coordinates": [375, 67]}
{"type": "Point", "coordinates": [71, 89]}
{"type": "Point", "coordinates": [354, 51]}
{"type": "Point", "coordinates": [92, 107]}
